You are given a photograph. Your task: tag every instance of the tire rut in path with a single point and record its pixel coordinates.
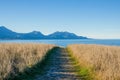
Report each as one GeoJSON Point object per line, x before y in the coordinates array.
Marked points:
{"type": "Point", "coordinates": [61, 67]}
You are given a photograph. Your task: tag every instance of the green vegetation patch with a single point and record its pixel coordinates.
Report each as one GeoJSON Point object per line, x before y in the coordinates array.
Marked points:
{"type": "Point", "coordinates": [37, 69]}
{"type": "Point", "coordinates": [82, 71]}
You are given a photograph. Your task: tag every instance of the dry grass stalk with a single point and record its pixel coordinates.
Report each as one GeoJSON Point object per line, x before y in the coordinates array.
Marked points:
{"type": "Point", "coordinates": [103, 60]}
{"type": "Point", "coordinates": [15, 58]}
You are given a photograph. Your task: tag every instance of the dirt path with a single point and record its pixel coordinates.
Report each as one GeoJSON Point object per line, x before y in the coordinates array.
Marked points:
{"type": "Point", "coordinates": [61, 67]}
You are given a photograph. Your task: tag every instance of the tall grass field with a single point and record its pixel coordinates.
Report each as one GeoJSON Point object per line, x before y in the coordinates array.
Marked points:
{"type": "Point", "coordinates": [103, 62]}
{"type": "Point", "coordinates": [14, 57]}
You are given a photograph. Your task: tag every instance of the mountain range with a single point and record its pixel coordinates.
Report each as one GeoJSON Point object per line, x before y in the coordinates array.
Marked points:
{"type": "Point", "coordinates": [9, 34]}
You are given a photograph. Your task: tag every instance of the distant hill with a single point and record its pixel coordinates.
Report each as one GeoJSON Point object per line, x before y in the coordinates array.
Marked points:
{"type": "Point", "coordinates": [9, 34]}
{"type": "Point", "coordinates": [64, 35]}
{"type": "Point", "coordinates": [6, 33]}
{"type": "Point", "coordinates": [32, 35]}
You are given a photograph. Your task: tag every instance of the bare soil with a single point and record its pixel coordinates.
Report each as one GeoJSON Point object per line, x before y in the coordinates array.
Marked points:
{"type": "Point", "coordinates": [60, 67]}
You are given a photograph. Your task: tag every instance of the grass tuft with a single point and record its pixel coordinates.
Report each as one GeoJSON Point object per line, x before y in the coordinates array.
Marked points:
{"type": "Point", "coordinates": [82, 71]}
{"type": "Point", "coordinates": [19, 60]}
{"type": "Point", "coordinates": [99, 61]}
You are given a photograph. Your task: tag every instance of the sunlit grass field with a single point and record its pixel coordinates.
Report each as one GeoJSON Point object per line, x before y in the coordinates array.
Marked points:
{"type": "Point", "coordinates": [103, 62]}
{"type": "Point", "coordinates": [14, 58]}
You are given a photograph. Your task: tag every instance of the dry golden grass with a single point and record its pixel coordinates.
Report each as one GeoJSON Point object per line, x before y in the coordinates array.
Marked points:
{"type": "Point", "coordinates": [15, 58]}
{"type": "Point", "coordinates": [104, 61]}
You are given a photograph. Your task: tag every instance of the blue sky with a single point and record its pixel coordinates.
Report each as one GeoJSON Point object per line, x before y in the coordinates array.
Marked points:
{"type": "Point", "coordinates": [91, 18]}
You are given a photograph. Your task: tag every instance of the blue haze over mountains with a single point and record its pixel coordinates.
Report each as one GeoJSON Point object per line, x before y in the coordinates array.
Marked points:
{"type": "Point", "coordinates": [9, 34]}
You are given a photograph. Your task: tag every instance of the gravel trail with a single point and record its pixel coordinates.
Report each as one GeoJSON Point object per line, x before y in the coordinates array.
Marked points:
{"type": "Point", "coordinates": [61, 67]}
